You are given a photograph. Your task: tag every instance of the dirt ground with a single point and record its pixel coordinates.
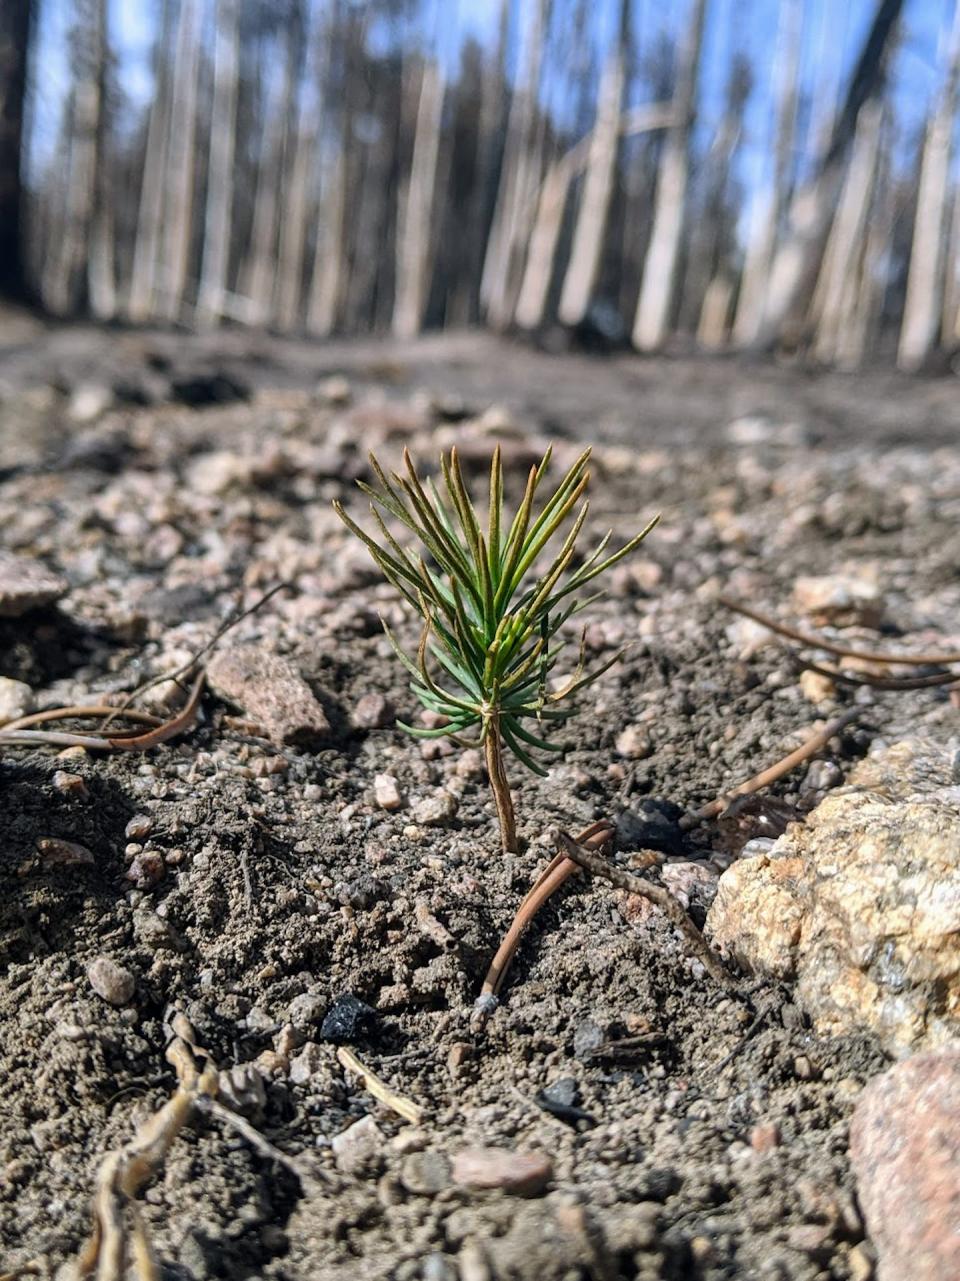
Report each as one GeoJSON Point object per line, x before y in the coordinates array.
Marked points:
{"type": "Point", "coordinates": [692, 1132]}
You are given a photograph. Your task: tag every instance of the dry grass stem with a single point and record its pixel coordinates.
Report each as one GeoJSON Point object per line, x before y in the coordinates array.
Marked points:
{"type": "Point", "coordinates": [598, 836]}
{"type": "Point", "coordinates": [119, 1240]}
{"type": "Point", "coordinates": [379, 1089]}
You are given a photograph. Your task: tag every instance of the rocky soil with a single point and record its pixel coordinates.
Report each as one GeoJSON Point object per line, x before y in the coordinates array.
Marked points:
{"type": "Point", "coordinates": [295, 874]}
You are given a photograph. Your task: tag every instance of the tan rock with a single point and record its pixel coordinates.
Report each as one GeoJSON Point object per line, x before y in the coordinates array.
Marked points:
{"type": "Point", "coordinates": [904, 1141]}
{"type": "Point", "coordinates": [861, 905]}
{"type": "Point", "coordinates": [817, 688]}
{"type": "Point", "coordinates": [839, 599]}
{"type": "Point", "coordinates": [16, 699]}
{"type": "Point", "coordinates": [386, 791]}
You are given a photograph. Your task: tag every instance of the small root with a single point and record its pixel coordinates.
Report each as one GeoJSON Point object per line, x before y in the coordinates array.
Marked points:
{"type": "Point", "coordinates": [655, 894]}
{"type": "Point", "coordinates": [813, 744]}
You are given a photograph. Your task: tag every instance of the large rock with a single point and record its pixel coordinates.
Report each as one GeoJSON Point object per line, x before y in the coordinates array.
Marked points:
{"type": "Point", "coordinates": [272, 692]}
{"type": "Point", "coordinates": [905, 1151]}
{"type": "Point", "coordinates": [861, 904]}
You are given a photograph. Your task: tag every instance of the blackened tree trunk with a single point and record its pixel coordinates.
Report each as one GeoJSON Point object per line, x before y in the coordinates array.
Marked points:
{"type": "Point", "coordinates": [15, 27]}
{"type": "Point", "coordinates": [814, 204]}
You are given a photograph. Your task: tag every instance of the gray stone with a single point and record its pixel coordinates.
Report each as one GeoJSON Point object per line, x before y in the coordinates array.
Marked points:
{"type": "Point", "coordinates": [16, 699]}
{"type": "Point", "coordinates": [358, 1149]}
{"type": "Point", "coordinates": [26, 584]}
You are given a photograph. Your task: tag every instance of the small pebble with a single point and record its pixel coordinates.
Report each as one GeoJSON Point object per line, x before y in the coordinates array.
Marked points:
{"type": "Point", "coordinates": [425, 1173]}
{"type": "Point", "coordinates": [435, 810]}
{"type": "Point", "coordinates": [57, 853]}
{"type": "Point", "coordinates": [386, 791]}
{"type": "Point", "coordinates": [357, 1150]}
{"type": "Point", "coordinates": [140, 826]}
{"type": "Point", "coordinates": [70, 784]}
{"type": "Point", "coordinates": [306, 1008]}
{"type": "Point", "coordinates": [634, 743]}
{"type": "Point", "coordinates": [307, 1063]}
{"type": "Point", "coordinates": [522, 1173]}
{"type": "Point", "coordinates": [146, 870]}
{"type": "Point", "coordinates": [373, 711]}
{"type": "Point", "coordinates": [115, 984]}
{"type": "Point", "coordinates": [765, 1136]}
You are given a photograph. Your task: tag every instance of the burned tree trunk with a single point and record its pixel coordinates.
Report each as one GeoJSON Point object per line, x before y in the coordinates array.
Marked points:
{"type": "Point", "coordinates": [417, 208]}
{"type": "Point", "coordinates": [146, 254]}
{"type": "Point", "coordinates": [65, 280]}
{"type": "Point", "coordinates": [15, 29]}
{"type": "Point", "coordinates": [587, 250]}
{"type": "Point", "coordinates": [815, 201]}
{"type": "Point", "coordinates": [180, 159]}
{"type": "Point", "coordinates": [658, 286]}
{"type": "Point", "coordinates": [219, 206]}
{"type": "Point", "coordinates": [922, 308]}
{"type": "Point", "coordinates": [511, 213]}
{"type": "Point", "coordinates": [769, 202]}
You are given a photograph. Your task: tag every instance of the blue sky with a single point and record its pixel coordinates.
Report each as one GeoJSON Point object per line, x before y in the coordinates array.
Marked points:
{"type": "Point", "coordinates": [832, 31]}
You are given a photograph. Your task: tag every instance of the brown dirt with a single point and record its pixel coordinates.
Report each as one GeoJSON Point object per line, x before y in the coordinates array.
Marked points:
{"type": "Point", "coordinates": [281, 884]}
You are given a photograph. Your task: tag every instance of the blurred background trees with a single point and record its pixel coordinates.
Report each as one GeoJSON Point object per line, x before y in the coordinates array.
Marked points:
{"type": "Point", "coordinates": [737, 174]}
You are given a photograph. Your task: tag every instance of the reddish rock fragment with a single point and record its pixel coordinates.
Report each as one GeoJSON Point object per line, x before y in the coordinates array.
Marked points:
{"type": "Point", "coordinates": [272, 692]}
{"type": "Point", "coordinates": [904, 1146]}
{"type": "Point", "coordinates": [521, 1173]}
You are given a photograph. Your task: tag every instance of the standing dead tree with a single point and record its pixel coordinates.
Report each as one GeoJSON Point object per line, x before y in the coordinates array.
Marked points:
{"type": "Point", "coordinates": [925, 286]}
{"type": "Point", "coordinates": [15, 30]}
{"type": "Point", "coordinates": [658, 285]}
{"type": "Point", "coordinates": [302, 154]}
{"type": "Point", "coordinates": [551, 202]}
{"type": "Point", "coordinates": [175, 233]}
{"type": "Point", "coordinates": [588, 237]}
{"type": "Point", "coordinates": [416, 204]}
{"type": "Point", "coordinates": [519, 179]}
{"type": "Point", "coordinates": [259, 274]}
{"type": "Point", "coordinates": [814, 203]}
{"type": "Point", "coordinates": [770, 200]}
{"type": "Point", "coordinates": [219, 205]}
{"type": "Point", "coordinates": [838, 287]}
{"type": "Point", "coordinates": [83, 235]}
{"type": "Point", "coordinates": [141, 301]}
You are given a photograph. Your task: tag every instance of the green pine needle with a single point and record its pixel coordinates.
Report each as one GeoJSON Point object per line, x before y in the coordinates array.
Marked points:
{"type": "Point", "coordinates": [491, 599]}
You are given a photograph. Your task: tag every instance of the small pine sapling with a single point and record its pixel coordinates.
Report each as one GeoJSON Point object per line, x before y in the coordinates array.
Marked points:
{"type": "Point", "coordinates": [493, 601]}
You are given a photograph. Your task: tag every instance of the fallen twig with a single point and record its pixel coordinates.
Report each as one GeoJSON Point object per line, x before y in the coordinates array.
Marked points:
{"type": "Point", "coordinates": [379, 1089]}
{"type": "Point", "coordinates": [813, 744]}
{"type": "Point", "coordinates": [812, 641]}
{"type": "Point", "coordinates": [881, 682]}
{"type": "Point", "coordinates": [655, 894]}
{"type": "Point", "coordinates": [78, 713]}
{"type": "Point", "coordinates": [194, 658]}
{"type": "Point", "coordinates": [122, 742]}
{"type": "Point", "coordinates": [213, 1107]}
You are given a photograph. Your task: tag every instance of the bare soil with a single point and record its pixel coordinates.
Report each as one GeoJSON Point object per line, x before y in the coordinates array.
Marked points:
{"type": "Point", "coordinates": [699, 1134]}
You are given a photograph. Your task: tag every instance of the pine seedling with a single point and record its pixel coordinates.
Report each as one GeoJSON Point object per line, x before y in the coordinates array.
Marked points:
{"type": "Point", "coordinates": [493, 601]}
